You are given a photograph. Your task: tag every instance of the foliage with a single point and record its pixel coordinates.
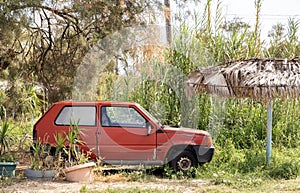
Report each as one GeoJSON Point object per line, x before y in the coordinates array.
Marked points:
{"type": "Point", "coordinates": [286, 164]}
{"type": "Point", "coordinates": [66, 152]}
{"type": "Point", "coordinates": [72, 138]}
{"type": "Point", "coordinates": [60, 146]}
{"type": "Point", "coordinates": [284, 42]}
{"type": "Point", "coordinates": [245, 123]}
{"type": "Point", "coordinates": [286, 170]}
{"type": "Point", "coordinates": [6, 141]}
{"type": "Point", "coordinates": [250, 163]}
{"type": "Point", "coordinates": [41, 158]}
{"type": "Point", "coordinates": [2, 106]}
{"type": "Point", "coordinates": [45, 41]}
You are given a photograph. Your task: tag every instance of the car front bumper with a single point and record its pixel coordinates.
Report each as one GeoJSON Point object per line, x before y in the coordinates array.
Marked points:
{"type": "Point", "coordinates": [204, 154]}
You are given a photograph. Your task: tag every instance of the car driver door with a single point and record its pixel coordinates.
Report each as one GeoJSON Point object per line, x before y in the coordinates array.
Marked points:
{"type": "Point", "coordinates": [126, 135]}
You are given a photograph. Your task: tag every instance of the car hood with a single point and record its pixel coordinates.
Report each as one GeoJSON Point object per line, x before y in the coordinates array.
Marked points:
{"type": "Point", "coordinates": [184, 130]}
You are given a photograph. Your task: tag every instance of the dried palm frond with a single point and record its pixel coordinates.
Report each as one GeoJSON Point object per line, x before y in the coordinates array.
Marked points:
{"type": "Point", "coordinates": [257, 78]}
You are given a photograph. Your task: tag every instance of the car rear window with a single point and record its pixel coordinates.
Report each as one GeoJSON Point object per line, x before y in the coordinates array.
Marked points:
{"type": "Point", "coordinates": [83, 115]}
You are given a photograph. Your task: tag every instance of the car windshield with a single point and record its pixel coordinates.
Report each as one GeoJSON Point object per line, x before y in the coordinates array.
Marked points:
{"type": "Point", "coordinates": [150, 115]}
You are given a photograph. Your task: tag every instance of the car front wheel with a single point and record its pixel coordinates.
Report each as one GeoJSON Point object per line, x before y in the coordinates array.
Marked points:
{"type": "Point", "coordinates": [184, 161]}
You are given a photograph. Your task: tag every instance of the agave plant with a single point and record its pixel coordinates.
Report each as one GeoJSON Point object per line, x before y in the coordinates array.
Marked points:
{"type": "Point", "coordinates": [75, 156]}
{"type": "Point", "coordinates": [6, 140]}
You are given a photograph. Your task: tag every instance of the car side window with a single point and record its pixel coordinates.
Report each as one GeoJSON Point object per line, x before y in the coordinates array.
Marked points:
{"type": "Point", "coordinates": [83, 115]}
{"type": "Point", "coordinates": [105, 119]}
{"type": "Point", "coordinates": [122, 117]}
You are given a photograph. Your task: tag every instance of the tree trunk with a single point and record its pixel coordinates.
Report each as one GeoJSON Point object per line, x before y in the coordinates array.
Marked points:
{"type": "Point", "coordinates": [167, 14]}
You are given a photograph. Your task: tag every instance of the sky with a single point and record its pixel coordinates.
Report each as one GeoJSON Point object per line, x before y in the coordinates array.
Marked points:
{"type": "Point", "coordinates": [272, 12]}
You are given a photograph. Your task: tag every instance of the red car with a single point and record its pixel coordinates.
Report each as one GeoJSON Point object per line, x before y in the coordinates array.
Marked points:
{"type": "Point", "coordinates": [125, 133]}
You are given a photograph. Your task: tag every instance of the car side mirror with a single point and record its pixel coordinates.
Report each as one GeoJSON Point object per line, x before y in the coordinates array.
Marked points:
{"type": "Point", "coordinates": [149, 128]}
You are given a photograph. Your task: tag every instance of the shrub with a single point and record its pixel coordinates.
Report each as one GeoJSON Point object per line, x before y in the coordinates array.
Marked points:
{"type": "Point", "coordinates": [286, 170]}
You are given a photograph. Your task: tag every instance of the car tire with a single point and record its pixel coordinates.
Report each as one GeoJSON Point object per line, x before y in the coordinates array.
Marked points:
{"type": "Point", "coordinates": [184, 161]}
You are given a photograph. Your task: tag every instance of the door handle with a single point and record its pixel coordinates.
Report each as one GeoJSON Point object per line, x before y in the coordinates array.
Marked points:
{"type": "Point", "coordinates": [98, 133]}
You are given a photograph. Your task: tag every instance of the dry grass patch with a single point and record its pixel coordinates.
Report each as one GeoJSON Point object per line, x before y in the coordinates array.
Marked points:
{"type": "Point", "coordinates": [111, 178]}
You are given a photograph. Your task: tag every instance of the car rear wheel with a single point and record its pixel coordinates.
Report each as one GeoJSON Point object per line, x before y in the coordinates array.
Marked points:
{"type": "Point", "coordinates": [184, 161]}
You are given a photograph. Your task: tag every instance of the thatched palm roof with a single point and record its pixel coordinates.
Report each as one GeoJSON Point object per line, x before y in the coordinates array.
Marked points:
{"type": "Point", "coordinates": [257, 78]}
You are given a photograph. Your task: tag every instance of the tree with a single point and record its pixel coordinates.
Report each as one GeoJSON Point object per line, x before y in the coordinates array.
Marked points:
{"type": "Point", "coordinates": [48, 39]}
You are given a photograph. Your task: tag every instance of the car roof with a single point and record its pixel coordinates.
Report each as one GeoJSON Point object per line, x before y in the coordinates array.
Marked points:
{"type": "Point", "coordinates": [72, 103]}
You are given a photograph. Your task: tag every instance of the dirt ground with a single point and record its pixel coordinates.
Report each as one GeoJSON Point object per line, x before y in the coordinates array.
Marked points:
{"type": "Point", "coordinates": [158, 185]}
{"type": "Point", "coordinates": [101, 184]}
{"type": "Point", "coordinates": [35, 186]}
{"type": "Point", "coordinates": [119, 183]}
{"type": "Point", "coordinates": [26, 186]}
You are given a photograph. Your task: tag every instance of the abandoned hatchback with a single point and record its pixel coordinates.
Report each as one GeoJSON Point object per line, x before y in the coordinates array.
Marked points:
{"type": "Point", "coordinates": [125, 133]}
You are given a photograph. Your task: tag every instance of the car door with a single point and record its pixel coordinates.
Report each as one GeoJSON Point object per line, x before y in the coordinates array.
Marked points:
{"type": "Point", "coordinates": [123, 135]}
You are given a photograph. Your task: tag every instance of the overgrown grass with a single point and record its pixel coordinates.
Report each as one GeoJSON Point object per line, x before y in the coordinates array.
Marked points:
{"type": "Point", "coordinates": [235, 176]}
{"type": "Point", "coordinates": [233, 164]}
{"type": "Point", "coordinates": [233, 168]}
